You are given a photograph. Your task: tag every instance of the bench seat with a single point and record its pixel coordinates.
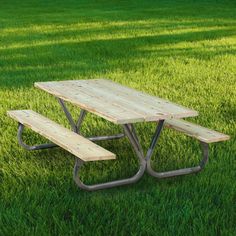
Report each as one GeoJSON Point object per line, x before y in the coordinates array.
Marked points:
{"type": "Point", "coordinates": [203, 134]}
{"type": "Point", "coordinates": [68, 140]}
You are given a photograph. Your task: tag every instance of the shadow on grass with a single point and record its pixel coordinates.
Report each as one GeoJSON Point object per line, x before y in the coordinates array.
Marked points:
{"type": "Point", "coordinates": [67, 60]}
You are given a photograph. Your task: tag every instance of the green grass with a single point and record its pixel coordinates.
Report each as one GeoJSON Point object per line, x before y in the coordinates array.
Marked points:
{"type": "Point", "coordinates": [184, 51]}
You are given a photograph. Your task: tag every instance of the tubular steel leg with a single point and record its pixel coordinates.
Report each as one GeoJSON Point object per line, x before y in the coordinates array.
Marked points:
{"type": "Point", "coordinates": [135, 137]}
{"type": "Point", "coordinates": [28, 147]}
{"type": "Point", "coordinates": [185, 171]}
{"type": "Point", "coordinates": [76, 126]}
{"type": "Point", "coordinates": [102, 138]}
{"type": "Point", "coordinates": [80, 120]}
{"type": "Point", "coordinates": [68, 115]}
{"type": "Point", "coordinates": [135, 178]}
{"type": "Point", "coordinates": [154, 139]}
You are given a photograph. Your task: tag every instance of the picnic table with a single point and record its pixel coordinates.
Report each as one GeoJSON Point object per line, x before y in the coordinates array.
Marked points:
{"type": "Point", "coordinates": [122, 106]}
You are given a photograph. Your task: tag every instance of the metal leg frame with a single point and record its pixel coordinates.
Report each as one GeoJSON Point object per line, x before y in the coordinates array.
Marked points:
{"type": "Point", "coordinates": [167, 174]}
{"type": "Point", "coordinates": [185, 171]}
{"type": "Point", "coordinates": [133, 138]}
{"type": "Point", "coordinates": [28, 147]}
{"type": "Point", "coordinates": [144, 162]}
{"type": "Point", "coordinates": [135, 178]}
{"type": "Point", "coordinates": [129, 131]}
{"type": "Point", "coordinates": [76, 126]}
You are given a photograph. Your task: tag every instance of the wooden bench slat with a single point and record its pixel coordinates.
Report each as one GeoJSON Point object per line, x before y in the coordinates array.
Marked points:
{"type": "Point", "coordinates": [70, 141]}
{"type": "Point", "coordinates": [201, 133]}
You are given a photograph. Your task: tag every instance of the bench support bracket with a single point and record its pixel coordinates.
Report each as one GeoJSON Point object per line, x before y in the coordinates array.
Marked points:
{"type": "Point", "coordinates": [185, 171]}
{"type": "Point", "coordinates": [145, 162]}
{"type": "Point", "coordinates": [29, 147]}
{"type": "Point", "coordinates": [75, 126]}
{"type": "Point", "coordinates": [135, 178]}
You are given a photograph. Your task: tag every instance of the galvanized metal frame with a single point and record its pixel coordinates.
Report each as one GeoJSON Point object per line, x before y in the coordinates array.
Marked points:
{"type": "Point", "coordinates": [29, 147]}
{"type": "Point", "coordinates": [130, 133]}
{"type": "Point", "coordinates": [145, 161]}
{"type": "Point", "coordinates": [133, 138]}
{"type": "Point", "coordinates": [75, 126]}
{"type": "Point", "coordinates": [184, 171]}
{"type": "Point", "coordinates": [142, 167]}
{"type": "Point", "coordinates": [173, 173]}
{"type": "Point", "coordinates": [154, 139]}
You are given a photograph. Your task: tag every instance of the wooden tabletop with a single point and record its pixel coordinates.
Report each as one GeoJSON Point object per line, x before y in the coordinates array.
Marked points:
{"type": "Point", "coordinates": [115, 102]}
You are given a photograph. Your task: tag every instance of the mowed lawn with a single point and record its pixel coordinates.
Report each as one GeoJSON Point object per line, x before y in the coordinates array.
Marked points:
{"type": "Point", "coordinates": [184, 51]}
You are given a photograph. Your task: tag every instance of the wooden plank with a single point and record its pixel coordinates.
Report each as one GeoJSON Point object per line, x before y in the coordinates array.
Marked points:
{"type": "Point", "coordinates": [104, 94]}
{"type": "Point", "coordinates": [70, 141]}
{"type": "Point", "coordinates": [149, 107]}
{"type": "Point", "coordinates": [115, 102]}
{"type": "Point", "coordinates": [201, 133]}
{"type": "Point", "coordinates": [69, 92]}
{"type": "Point", "coordinates": [155, 104]}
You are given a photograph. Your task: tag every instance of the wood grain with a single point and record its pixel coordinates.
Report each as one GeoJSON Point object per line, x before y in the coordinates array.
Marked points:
{"type": "Point", "coordinates": [70, 141]}
{"type": "Point", "coordinates": [196, 131]}
{"type": "Point", "coordinates": [115, 102]}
